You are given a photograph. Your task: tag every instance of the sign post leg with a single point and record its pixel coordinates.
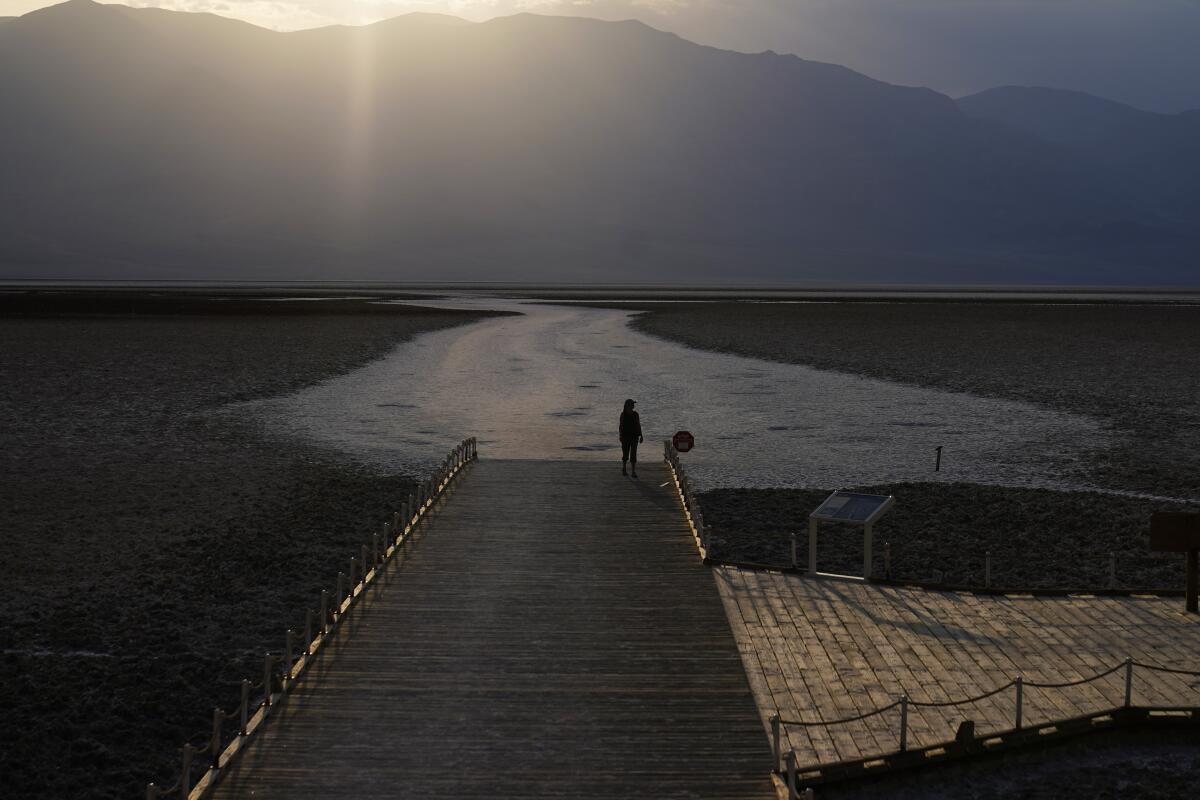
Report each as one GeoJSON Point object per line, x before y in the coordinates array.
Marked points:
{"type": "Point", "coordinates": [1192, 580]}
{"type": "Point", "coordinates": [868, 556]}
{"type": "Point", "coordinates": [812, 547]}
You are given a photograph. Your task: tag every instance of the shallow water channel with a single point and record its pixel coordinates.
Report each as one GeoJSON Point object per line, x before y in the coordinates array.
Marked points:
{"type": "Point", "coordinates": [549, 384]}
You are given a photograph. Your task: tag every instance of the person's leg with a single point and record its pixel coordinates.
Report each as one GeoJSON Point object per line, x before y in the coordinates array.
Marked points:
{"type": "Point", "coordinates": [624, 456]}
{"type": "Point", "coordinates": [633, 456]}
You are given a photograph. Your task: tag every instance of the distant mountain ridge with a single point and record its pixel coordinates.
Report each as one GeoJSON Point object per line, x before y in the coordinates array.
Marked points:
{"type": "Point", "coordinates": [157, 144]}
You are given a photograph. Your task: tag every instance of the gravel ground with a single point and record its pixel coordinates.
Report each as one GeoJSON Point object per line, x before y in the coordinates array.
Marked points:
{"type": "Point", "coordinates": [939, 532]}
{"type": "Point", "coordinates": [1133, 366]}
{"type": "Point", "coordinates": [151, 552]}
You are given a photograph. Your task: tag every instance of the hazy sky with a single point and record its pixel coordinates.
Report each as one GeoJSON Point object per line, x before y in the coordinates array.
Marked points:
{"type": "Point", "coordinates": [1142, 52]}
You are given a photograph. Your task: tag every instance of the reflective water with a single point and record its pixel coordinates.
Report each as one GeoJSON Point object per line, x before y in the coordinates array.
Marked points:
{"type": "Point", "coordinates": [550, 384]}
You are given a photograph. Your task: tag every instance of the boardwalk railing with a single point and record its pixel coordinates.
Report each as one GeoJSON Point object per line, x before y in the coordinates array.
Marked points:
{"type": "Point", "coordinates": [786, 764]}
{"type": "Point", "coordinates": [281, 670]}
{"type": "Point", "coordinates": [691, 506]}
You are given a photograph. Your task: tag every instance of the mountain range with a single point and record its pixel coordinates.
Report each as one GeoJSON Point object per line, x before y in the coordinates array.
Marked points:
{"type": "Point", "coordinates": [142, 143]}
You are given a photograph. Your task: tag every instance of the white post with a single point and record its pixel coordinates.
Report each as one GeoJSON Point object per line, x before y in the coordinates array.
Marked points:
{"type": "Point", "coordinates": [868, 540]}
{"type": "Point", "coordinates": [812, 547]}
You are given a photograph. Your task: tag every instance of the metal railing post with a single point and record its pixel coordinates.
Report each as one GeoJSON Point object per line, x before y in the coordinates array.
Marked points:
{"type": "Point", "coordinates": [1020, 682]}
{"type": "Point", "coordinates": [790, 760]}
{"type": "Point", "coordinates": [151, 792]}
{"type": "Point", "coordinates": [776, 740]}
{"type": "Point", "coordinates": [887, 559]}
{"type": "Point", "coordinates": [244, 720]}
{"type": "Point", "coordinates": [218, 716]}
{"type": "Point", "coordinates": [267, 681]}
{"type": "Point", "coordinates": [987, 568]}
{"type": "Point", "coordinates": [903, 723]}
{"type": "Point", "coordinates": [185, 777]}
{"type": "Point", "coordinates": [1128, 682]}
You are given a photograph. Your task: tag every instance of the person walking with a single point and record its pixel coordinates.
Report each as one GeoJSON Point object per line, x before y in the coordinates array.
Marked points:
{"type": "Point", "coordinates": [630, 431]}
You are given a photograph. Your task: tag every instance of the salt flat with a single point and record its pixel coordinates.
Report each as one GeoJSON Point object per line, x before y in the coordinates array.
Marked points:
{"type": "Point", "coordinates": [550, 382]}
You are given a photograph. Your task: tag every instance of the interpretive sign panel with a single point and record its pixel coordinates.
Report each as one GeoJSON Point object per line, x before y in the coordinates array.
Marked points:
{"type": "Point", "coordinates": [852, 508]}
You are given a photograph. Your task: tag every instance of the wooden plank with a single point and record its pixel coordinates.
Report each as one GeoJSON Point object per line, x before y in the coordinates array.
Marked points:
{"type": "Point", "coordinates": [550, 631]}
{"type": "Point", "coordinates": [868, 641]}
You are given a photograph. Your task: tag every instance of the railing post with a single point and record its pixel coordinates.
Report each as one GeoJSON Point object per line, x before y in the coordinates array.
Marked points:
{"type": "Point", "coordinates": [151, 792]}
{"type": "Point", "coordinates": [1020, 682]}
{"type": "Point", "coordinates": [1128, 682]}
{"type": "Point", "coordinates": [351, 580]}
{"type": "Point", "coordinates": [1112, 570]}
{"type": "Point", "coordinates": [341, 593]}
{"type": "Point", "coordinates": [887, 559]}
{"type": "Point", "coordinates": [795, 561]}
{"type": "Point", "coordinates": [987, 568]}
{"type": "Point", "coordinates": [364, 553]}
{"type": "Point", "coordinates": [185, 777]}
{"type": "Point", "coordinates": [216, 737]}
{"type": "Point", "coordinates": [324, 611]}
{"type": "Point", "coordinates": [776, 740]}
{"type": "Point", "coordinates": [245, 710]}
{"type": "Point", "coordinates": [904, 723]}
{"type": "Point", "coordinates": [267, 681]}
{"type": "Point", "coordinates": [790, 761]}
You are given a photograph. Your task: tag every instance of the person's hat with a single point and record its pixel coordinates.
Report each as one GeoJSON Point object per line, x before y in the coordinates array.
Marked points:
{"type": "Point", "coordinates": [631, 402]}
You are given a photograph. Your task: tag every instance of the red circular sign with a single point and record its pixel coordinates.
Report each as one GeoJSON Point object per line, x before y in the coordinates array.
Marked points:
{"type": "Point", "coordinates": [683, 441]}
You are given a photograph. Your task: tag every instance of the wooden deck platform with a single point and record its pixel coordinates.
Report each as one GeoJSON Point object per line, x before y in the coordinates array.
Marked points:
{"type": "Point", "coordinates": [550, 633]}
{"type": "Point", "coordinates": [824, 649]}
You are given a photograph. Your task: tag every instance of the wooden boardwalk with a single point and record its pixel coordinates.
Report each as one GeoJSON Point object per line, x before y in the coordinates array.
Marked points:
{"type": "Point", "coordinates": [822, 649]}
{"type": "Point", "coordinates": [550, 632]}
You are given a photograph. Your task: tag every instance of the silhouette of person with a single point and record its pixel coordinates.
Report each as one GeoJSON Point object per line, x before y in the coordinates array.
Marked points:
{"type": "Point", "coordinates": [630, 431]}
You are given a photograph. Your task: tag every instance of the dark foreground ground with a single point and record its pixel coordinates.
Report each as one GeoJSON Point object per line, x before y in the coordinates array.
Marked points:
{"type": "Point", "coordinates": [1152, 765]}
{"type": "Point", "coordinates": [1133, 366]}
{"type": "Point", "coordinates": [150, 553]}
